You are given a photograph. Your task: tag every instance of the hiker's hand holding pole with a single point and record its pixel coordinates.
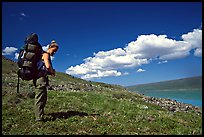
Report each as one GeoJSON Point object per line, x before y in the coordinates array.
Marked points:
{"type": "Point", "coordinates": [53, 74]}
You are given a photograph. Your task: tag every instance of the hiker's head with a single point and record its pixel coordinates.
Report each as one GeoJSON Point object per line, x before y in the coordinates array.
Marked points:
{"type": "Point", "coordinates": [53, 47]}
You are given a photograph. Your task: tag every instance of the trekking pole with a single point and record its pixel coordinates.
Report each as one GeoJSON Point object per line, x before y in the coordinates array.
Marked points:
{"type": "Point", "coordinates": [18, 84]}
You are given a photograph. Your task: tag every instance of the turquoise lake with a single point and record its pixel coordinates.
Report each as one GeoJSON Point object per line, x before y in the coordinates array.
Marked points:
{"type": "Point", "coordinates": [188, 96]}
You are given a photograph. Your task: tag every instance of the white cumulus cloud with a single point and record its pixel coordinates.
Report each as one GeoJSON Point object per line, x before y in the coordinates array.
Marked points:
{"type": "Point", "coordinates": [198, 52]}
{"type": "Point", "coordinates": [143, 50]}
{"type": "Point", "coordinates": [153, 46]}
{"type": "Point", "coordinates": [140, 70]}
{"type": "Point", "coordinates": [163, 61]}
{"type": "Point", "coordinates": [9, 50]}
{"type": "Point", "coordinates": [106, 63]}
{"type": "Point", "coordinates": [100, 74]}
{"type": "Point", "coordinates": [23, 14]}
{"type": "Point", "coordinates": [195, 40]}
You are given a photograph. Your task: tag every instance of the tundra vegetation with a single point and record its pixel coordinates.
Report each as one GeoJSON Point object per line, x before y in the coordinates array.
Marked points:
{"type": "Point", "coordinates": [79, 107]}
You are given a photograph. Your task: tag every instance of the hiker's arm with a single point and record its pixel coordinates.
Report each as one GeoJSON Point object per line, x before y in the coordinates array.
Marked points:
{"type": "Point", "coordinates": [47, 64]}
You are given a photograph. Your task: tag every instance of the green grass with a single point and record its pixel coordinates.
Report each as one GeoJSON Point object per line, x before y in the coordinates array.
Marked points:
{"type": "Point", "coordinates": [94, 113]}
{"type": "Point", "coordinates": [106, 109]}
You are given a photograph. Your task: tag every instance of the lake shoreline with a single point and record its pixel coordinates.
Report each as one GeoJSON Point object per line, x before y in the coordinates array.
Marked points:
{"type": "Point", "coordinates": [186, 96]}
{"type": "Point", "coordinates": [171, 104]}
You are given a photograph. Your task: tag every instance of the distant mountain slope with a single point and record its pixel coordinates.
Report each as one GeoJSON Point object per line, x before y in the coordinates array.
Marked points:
{"type": "Point", "coordinates": [185, 83]}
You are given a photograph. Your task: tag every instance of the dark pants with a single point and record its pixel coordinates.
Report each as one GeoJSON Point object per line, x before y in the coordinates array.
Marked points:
{"type": "Point", "coordinates": [40, 96]}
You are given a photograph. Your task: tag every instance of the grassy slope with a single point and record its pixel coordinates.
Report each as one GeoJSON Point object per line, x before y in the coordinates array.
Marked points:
{"type": "Point", "coordinates": [186, 83]}
{"type": "Point", "coordinates": [97, 112]}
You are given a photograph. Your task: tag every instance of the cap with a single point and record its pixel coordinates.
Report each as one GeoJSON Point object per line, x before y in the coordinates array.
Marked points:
{"type": "Point", "coordinates": [53, 41]}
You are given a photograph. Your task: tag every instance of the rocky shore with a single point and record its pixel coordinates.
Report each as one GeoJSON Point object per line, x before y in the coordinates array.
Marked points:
{"type": "Point", "coordinates": [172, 105]}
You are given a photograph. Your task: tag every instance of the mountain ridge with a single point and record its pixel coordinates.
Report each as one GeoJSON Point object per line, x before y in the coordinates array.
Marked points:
{"type": "Point", "coordinates": [194, 82]}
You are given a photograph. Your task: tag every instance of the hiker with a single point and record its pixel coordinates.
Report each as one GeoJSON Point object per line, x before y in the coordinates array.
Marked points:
{"type": "Point", "coordinates": [42, 81]}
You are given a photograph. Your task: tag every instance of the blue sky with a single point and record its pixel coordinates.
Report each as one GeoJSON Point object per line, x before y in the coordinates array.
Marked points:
{"type": "Point", "coordinates": [123, 43]}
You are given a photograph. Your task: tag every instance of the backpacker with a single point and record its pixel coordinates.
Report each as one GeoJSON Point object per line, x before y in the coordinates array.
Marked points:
{"type": "Point", "coordinates": [28, 57]}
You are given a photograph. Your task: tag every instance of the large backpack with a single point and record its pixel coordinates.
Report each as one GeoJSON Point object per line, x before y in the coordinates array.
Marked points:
{"type": "Point", "coordinates": [30, 53]}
